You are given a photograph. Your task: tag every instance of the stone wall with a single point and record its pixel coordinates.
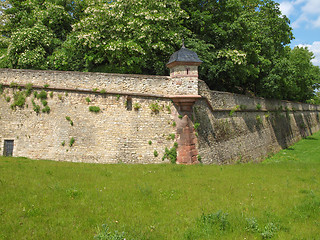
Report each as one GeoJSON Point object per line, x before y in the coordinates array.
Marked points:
{"type": "Point", "coordinates": [141, 116]}
{"type": "Point", "coordinates": [240, 128]}
{"type": "Point", "coordinates": [118, 133]}
{"type": "Point", "coordinates": [118, 83]}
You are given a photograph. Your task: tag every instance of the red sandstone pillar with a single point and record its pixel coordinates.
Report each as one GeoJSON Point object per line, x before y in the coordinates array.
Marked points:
{"type": "Point", "coordinates": [186, 137]}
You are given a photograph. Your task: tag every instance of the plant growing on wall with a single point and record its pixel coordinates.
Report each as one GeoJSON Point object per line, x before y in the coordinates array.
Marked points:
{"type": "Point", "coordinates": [29, 88]}
{"type": "Point", "coordinates": [259, 119]}
{"type": "Point", "coordinates": [136, 106]}
{"type": "Point", "coordinates": [237, 107]}
{"type": "Point", "coordinates": [72, 140]}
{"type": "Point", "coordinates": [69, 120]}
{"type": "Point", "coordinates": [154, 107]}
{"type": "Point", "coordinates": [19, 100]}
{"type": "Point", "coordinates": [42, 95]}
{"type": "Point", "coordinates": [155, 153]}
{"type": "Point", "coordinates": [171, 154]}
{"type": "Point", "coordinates": [168, 108]}
{"type": "Point", "coordinates": [258, 106]}
{"type": "Point", "coordinates": [94, 109]}
{"type": "Point", "coordinates": [46, 109]}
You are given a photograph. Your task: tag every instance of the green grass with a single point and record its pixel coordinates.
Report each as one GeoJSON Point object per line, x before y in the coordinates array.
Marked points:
{"type": "Point", "coordinates": [278, 199]}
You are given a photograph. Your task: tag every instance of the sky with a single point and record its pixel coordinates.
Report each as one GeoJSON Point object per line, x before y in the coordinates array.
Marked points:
{"type": "Point", "coordinates": [304, 18]}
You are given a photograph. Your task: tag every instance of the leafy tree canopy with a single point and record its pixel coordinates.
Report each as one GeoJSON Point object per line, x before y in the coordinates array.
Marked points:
{"type": "Point", "coordinates": [243, 43]}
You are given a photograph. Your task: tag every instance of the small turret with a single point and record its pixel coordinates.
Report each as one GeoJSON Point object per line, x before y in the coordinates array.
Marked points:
{"type": "Point", "coordinates": [184, 63]}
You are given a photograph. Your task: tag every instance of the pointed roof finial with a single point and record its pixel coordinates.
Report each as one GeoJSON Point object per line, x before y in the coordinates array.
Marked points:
{"type": "Point", "coordinates": [183, 46]}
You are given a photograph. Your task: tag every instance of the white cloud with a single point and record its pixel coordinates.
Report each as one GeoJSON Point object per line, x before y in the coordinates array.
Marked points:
{"type": "Point", "coordinates": [311, 7]}
{"type": "Point", "coordinates": [286, 8]}
{"type": "Point", "coordinates": [315, 48]}
{"type": "Point", "coordinates": [306, 12]}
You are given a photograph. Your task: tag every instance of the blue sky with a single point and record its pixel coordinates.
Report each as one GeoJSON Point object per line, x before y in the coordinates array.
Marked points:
{"type": "Point", "coordinates": [304, 18]}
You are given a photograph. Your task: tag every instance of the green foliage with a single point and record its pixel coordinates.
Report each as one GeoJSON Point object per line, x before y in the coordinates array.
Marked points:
{"type": "Point", "coordinates": [174, 124]}
{"type": "Point", "coordinates": [42, 95]}
{"type": "Point", "coordinates": [46, 109]}
{"type": "Point", "coordinates": [71, 142]}
{"type": "Point", "coordinates": [19, 99]}
{"type": "Point", "coordinates": [46, 85]}
{"type": "Point", "coordinates": [171, 136]}
{"type": "Point", "coordinates": [199, 158]}
{"type": "Point", "coordinates": [44, 103]}
{"type": "Point", "coordinates": [105, 234]}
{"type": "Point", "coordinates": [171, 154]}
{"type": "Point", "coordinates": [155, 107]}
{"type": "Point", "coordinates": [232, 111]}
{"type": "Point", "coordinates": [103, 91]}
{"type": "Point", "coordinates": [259, 119]}
{"type": "Point", "coordinates": [63, 143]}
{"type": "Point", "coordinates": [51, 94]}
{"type": "Point", "coordinates": [13, 85]}
{"type": "Point", "coordinates": [8, 98]}
{"type": "Point", "coordinates": [118, 97]}
{"type": "Point", "coordinates": [149, 142]}
{"type": "Point", "coordinates": [155, 153]}
{"type": "Point", "coordinates": [215, 220]}
{"type": "Point", "coordinates": [168, 109]}
{"type": "Point", "coordinates": [95, 89]}
{"type": "Point", "coordinates": [28, 89]}
{"type": "Point", "coordinates": [243, 44]}
{"type": "Point", "coordinates": [36, 107]}
{"type": "Point", "coordinates": [196, 126]}
{"type": "Point", "coordinates": [258, 106]}
{"type": "Point", "coordinates": [88, 99]}
{"type": "Point", "coordinates": [94, 109]}
{"type": "Point", "coordinates": [136, 106]}
{"type": "Point", "coordinates": [180, 116]}
{"type": "Point", "coordinates": [1, 88]}
{"type": "Point", "coordinates": [59, 96]}
{"type": "Point", "coordinates": [68, 118]}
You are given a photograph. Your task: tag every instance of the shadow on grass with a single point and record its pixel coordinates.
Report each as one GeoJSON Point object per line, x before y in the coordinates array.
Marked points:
{"type": "Point", "coordinates": [311, 138]}
{"type": "Point", "coordinates": [290, 148]}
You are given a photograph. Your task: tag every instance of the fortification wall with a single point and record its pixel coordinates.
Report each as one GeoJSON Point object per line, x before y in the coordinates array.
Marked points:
{"type": "Point", "coordinates": [118, 83]}
{"type": "Point", "coordinates": [240, 128]}
{"type": "Point", "coordinates": [232, 127]}
{"type": "Point", "coordinates": [118, 133]}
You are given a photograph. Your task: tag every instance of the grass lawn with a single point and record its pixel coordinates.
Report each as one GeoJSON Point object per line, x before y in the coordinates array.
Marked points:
{"type": "Point", "coordinates": [278, 199]}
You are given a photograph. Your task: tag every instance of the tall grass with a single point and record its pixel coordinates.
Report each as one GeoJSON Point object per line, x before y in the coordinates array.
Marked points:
{"type": "Point", "coordinates": [278, 199]}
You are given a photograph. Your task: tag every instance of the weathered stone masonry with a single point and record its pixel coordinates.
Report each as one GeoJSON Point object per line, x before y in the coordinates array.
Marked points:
{"type": "Point", "coordinates": [142, 116]}
{"type": "Point", "coordinates": [118, 134]}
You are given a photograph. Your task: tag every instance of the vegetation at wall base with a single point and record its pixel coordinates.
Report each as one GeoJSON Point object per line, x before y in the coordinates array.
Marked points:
{"type": "Point", "coordinates": [276, 199]}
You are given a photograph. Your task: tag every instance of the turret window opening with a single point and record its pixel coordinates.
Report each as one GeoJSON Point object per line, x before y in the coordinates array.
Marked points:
{"type": "Point", "coordinates": [187, 70]}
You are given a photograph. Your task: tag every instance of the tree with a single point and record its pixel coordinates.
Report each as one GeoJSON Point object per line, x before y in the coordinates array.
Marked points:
{"type": "Point", "coordinates": [130, 36]}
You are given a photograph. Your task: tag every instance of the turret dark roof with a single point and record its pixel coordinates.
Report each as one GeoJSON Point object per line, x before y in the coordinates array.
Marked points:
{"type": "Point", "coordinates": [184, 55]}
